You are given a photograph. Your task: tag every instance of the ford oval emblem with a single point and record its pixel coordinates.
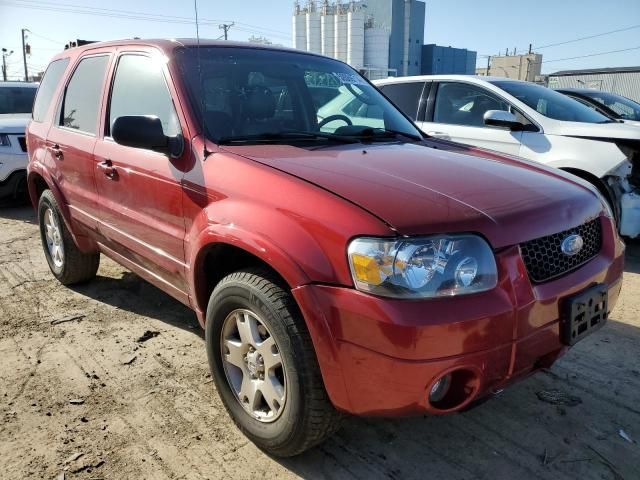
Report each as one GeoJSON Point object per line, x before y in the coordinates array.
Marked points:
{"type": "Point", "coordinates": [572, 245]}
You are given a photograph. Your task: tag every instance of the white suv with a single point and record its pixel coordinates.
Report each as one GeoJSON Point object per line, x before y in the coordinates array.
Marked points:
{"type": "Point", "coordinates": [16, 102]}
{"type": "Point", "coordinates": [533, 122]}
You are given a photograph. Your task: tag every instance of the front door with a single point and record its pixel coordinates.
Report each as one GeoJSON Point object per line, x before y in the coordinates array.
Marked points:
{"type": "Point", "coordinates": [458, 115]}
{"type": "Point", "coordinates": [140, 190]}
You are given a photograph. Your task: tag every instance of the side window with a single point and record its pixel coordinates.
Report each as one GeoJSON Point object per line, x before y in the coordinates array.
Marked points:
{"type": "Point", "coordinates": [139, 88]}
{"type": "Point", "coordinates": [464, 104]}
{"type": "Point", "coordinates": [47, 88]}
{"type": "Point", "coordinates": [406, 96]}
{"type": "Point", "coordinates": [82, 96]}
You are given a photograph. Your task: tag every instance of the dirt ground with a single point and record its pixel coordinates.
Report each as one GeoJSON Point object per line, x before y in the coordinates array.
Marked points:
{"type": "Point", "coordinates": [84, 399]}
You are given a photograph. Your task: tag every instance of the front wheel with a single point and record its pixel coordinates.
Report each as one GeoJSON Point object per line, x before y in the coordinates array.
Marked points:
{"type": "Point", "coordinates": [264, 366]}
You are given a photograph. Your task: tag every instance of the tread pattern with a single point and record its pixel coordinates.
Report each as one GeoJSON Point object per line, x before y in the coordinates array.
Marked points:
{"type": "Point", "coordinates": [78, 267]}
{"type": "Point", "coordinates": [320, 419]}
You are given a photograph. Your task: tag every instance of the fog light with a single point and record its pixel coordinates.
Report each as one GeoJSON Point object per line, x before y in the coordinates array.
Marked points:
{"type": "Point", "coordinates": [440, 389]}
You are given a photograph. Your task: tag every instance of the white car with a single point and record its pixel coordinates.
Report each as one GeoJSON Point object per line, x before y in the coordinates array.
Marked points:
{"type": "Point", "coordinates": [533, 122]}
{"type": "Point", "coordinates": [16, 102]}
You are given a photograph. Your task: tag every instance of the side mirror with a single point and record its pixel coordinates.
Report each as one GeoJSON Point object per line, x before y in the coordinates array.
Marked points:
{"type": "Point", "coordinates": [145, 131]}
{"type": "Point", "coordinates": [501, 118]}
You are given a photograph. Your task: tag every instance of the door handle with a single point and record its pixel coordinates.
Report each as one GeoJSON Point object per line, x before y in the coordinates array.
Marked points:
{"type": "Point", "coordinates": [55, 148]}
{"type": "Point", "coordinates": [439, 135]}
{"type": "Point", "coordinates": [108, 169]}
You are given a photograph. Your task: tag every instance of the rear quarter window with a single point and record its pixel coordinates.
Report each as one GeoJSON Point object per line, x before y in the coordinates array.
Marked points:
{"type": "Point", "coordinates": [405, 95]}
{"type": "Point", "coordinates": [47, 88]}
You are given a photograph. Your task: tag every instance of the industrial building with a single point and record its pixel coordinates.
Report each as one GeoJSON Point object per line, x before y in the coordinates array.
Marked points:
{"type": "Point", "coordinates": [623, 81]}
{"type": "Point", "coordinates": [437, 59]}
{"type": "Point", "coordinates": [518, 67]}
{"type": "Point", "coordinates": [379, 37]}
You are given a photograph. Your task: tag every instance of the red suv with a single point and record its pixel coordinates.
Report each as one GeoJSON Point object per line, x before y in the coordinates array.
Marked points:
{"type": "Point", "coordinates": [338, 263]}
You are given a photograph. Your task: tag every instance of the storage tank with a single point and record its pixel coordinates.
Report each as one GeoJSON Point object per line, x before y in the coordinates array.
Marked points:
{"type": "Point", "coordinates": [355, 35]}
{"type": "Point", "coordinates": [327, 29]}
{"type": "Point", "coordinates": [376, 48]}
{"type": "Point", "coordinates": [313, 31]}
{"type": "Point", "coordinates": [299, 34]}
{"type": "Point", "coordinates": [340, 37]}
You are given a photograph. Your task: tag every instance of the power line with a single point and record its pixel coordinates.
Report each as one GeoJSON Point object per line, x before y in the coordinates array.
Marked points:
{"type": "Point", "coordinates": [131, 15]}
{"type": "Point", "coordinates": [586, 56]}
{"type": "Point", "coordinates": [587, 37]}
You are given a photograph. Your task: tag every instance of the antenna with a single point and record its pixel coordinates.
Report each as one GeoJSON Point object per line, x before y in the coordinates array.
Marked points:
{"type": "Point", "coordinates": [202, 106]}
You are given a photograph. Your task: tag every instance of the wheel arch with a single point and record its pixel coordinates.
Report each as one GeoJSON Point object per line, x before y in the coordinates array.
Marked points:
{"type": "Point", "coordinates": [600, 184]}
{"type": "Point", "coordinates": [219, 257]}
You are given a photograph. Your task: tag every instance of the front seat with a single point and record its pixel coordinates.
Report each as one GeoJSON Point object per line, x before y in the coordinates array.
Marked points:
{"type": "Point", "coordinates": [258, 106]}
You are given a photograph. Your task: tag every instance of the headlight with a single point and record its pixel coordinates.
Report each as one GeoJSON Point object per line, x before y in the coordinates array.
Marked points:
{"type": "Point", "coordinates": [435, 266]}
{"type": "Point", "coordinates": [4, 140]}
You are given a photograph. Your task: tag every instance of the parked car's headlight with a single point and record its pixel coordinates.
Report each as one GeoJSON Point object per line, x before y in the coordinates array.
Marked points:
{"type": "Point", "coordinates": [4, 140]}
{"type": "Point", "coordinates": [424, 267]}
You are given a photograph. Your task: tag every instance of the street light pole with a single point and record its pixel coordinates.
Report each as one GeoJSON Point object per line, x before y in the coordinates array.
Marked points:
{"type": "Point", "coordinates": [24, 56]}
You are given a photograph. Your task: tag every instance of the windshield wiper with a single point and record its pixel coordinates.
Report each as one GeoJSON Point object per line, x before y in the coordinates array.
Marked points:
{"type": "Point", "coordinates": [285, 136]}
{"type": "Point", "coordinates": [375, 132]}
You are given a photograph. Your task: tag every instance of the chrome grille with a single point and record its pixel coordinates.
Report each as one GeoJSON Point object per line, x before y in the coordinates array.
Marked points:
{"type": "Point", "coordinates": [545, 260]}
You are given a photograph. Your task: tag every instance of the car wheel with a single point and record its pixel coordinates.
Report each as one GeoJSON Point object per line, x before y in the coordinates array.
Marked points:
{"type": "Point", "coordinates": [264, 366]}
{"type": "Point", "coordinates": [67, 263]}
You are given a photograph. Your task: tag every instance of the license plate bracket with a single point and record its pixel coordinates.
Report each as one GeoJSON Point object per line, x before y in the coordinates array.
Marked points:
{"type": "Point", "coordinates": [584, 313]}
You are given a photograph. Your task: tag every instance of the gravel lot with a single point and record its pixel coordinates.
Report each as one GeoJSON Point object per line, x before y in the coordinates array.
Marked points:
{"type": "Point", "coordinates": [84, 399]}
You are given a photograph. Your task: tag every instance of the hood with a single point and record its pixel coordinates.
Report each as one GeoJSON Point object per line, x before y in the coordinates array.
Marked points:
{"type": "Point", "coordinates": [417, 189]}
{"type": "Point", "coordinates": [616, 130]}
{"type": "Point", "coordinates": [14, 122]}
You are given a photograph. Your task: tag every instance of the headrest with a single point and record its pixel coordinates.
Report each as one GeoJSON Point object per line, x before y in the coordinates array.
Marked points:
{"type": "Point", "coordinates": [258, 103]}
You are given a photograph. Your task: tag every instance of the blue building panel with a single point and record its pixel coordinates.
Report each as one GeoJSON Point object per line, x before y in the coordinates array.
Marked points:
{"type": "Point", "coordinates": [437, 59]}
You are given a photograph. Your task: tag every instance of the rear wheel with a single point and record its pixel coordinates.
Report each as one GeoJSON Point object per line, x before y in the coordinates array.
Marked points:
{"type": "Point", "coordinates": [264, 366]}
{"type": "Point", "coordinates": [67, 263]}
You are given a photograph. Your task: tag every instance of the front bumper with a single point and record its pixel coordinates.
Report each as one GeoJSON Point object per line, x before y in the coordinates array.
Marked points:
{"type": "Point", "coordinates": [14, 185]}
{"type": "Point", "coordinates": [630, 214]}
{"type": "Point", "coordinates": [380, 356]}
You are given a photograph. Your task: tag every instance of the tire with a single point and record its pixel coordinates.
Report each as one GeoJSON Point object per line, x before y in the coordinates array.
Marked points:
{"type": "Point", "coordinates": [307, 416]}
{"type": "Point", "coordinates": [71, 266]}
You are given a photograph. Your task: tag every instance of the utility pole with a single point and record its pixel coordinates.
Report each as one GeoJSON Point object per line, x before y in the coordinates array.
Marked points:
{"type": "Point", "coordinates": [4, 63]}
{"type": "Point", "coordinates": [488, 64]}
{"type": "Point", "coordinates": [226, 27]}
{"type": "Point", "coordinates": [24, 56]}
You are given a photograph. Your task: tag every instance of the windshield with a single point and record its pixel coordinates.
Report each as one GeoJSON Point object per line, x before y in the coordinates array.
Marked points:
{"type": "Point", "coordinates": [551, 103]}
{"type": "Point", "coordinates": [16, 99]}
{"type": "Point", "coordinates": [624, 107]}
{"type": "Point", "coordinates": [268, 95]}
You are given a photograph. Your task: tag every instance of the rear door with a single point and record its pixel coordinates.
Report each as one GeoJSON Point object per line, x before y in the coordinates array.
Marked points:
{"type": "Point", "coordinates": [141, 215]}
{"type": "Point", "coordinates": [458, 114]}
{"type": "Point", "coordinates": [72, 137]}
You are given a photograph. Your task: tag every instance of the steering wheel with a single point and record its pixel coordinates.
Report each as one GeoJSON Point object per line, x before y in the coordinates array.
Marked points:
{"type": "Point", "coordinates": [331, 118]}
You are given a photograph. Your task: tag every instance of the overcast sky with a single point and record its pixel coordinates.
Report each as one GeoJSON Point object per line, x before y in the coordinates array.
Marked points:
{"type": "Point", "coordinates": [488, 26]}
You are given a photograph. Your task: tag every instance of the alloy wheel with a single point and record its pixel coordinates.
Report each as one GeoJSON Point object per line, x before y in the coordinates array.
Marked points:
{"type": "Point", "coordinates": [53, 236]}
{"type": "Point", "coordinates": [253, 365]}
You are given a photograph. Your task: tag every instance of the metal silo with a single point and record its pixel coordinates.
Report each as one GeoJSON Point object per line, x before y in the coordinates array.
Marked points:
{"type": "Point", "coordinates": [313, 29]}
{"type": "Point", "coordinates": [299, 30]}
{"type": "Point", "coordinates": [355, 37]}
{"type": "Point", "coordinates": [340, 35]}
{"type": "Point", "coordinates": [327, 29]}
{"type": "Point", "coordinates": [376, 51]}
